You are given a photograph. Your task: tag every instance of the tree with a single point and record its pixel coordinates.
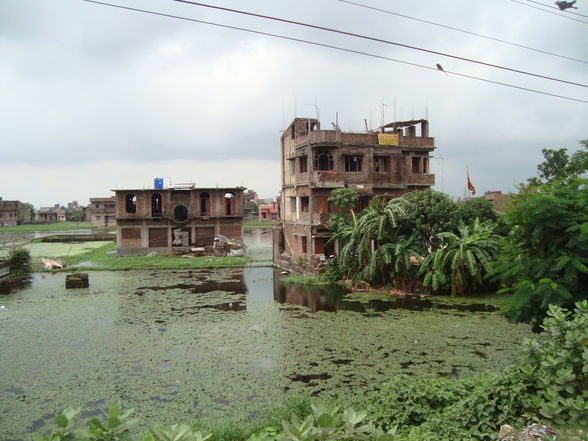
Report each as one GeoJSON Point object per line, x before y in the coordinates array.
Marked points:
{"type": "Point", "coordinates": [431, 212]}
{"type": "Point", "coordinates": [469, 210]}
{"type": "Point", "coordinates": [545, 257]}
{"type": "Point", "coordinates": [558, 165]}
{"type": "Point", "coordinates": [464, 258]}
{"type": "Point", "coordinates": [343, 199]}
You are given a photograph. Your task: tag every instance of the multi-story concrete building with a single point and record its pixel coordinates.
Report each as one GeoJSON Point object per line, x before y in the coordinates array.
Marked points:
{"type": "Point", "coordinates": [181, 216]}
{"type": "Point", "coordinates": [392, 161]}
{"type": "Point", "coordinates": [102, 212]}
{"type": "Point", "coordinates": [13, 211]}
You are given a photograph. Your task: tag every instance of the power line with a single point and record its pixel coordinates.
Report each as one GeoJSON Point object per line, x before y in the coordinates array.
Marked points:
{"type": "Point", "coordinates": [461, 30]}
{"type": "Point", "coordinates": [379, 40]}
{"type": "Point", "coordinates": [557, 9]}
{"type": "Point", "coordinates": [328, 46]}
{"type": "Point", "coordinates": [549, 12]}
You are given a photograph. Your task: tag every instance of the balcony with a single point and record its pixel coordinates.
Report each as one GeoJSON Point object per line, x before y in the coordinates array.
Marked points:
{"type": "Point", "coordinates": [421, 179]}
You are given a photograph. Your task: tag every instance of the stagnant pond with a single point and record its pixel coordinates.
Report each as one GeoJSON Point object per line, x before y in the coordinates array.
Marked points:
{"type": "Point", "coordinates": [176, 345]}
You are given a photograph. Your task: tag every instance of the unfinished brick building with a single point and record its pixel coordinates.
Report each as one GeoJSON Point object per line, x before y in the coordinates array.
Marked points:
{"type": "Point", "coordinates": [12, 212]}
{"type": "Point", "coordinates": [393, 160]}
{"type": "Point", "coordinates": [181, 217]}
{"type": "Point", "coordinates": [102, 212]}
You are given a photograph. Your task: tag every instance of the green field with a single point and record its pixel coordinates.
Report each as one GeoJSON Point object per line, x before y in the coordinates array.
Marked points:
{"type": "Point", "coordinates": [57, 226]}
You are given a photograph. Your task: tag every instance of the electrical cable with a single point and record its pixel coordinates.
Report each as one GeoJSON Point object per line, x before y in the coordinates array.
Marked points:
{"type": "Point", "coordinates": [557, 9]}
{"type": "Point", "coordinates": [314, 43]}
{"type": "Point", "coordinates": [549, 12]}
{"type": "Point", "coordinates": [461, 30]}
{"type": "Point", "coordinates": [379, 40]}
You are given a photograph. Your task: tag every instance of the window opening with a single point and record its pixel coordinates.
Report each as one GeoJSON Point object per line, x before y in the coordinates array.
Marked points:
{"type": "Point", "coordinates": [323, 161]}
{"type": "Point", "coordinates": [131, 203]}
{"type": "Point", "coordinates": [204, 204]}
{"type": "Point", "coordinates": [416, 164]}
{"type": "Point", "coordinates": [304, 204]}
{"type": "Point", "coordinates": [304, 244]}
{"type": "Point", "coordinates": [303, 164]}
{"type": "Point", "coordinates": [353, 163]}
{"type": "Point", "coordinates": [229, 204]}
{"type": "Point", "coordinates": [180, 213]}
{"type": "Point", "coordinates": [381, 164]}
{"type": "Point", "coordinates": [156, 205]}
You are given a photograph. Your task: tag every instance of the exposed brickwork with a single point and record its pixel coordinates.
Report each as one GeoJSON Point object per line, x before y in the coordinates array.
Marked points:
{"type": "Point", "coordinates": [392, 161]}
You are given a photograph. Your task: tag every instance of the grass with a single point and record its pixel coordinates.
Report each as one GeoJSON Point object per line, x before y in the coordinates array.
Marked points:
{"type": "Point", "coordinates": [57, 226]}
{"type": "Point", "coordinates": [296, 279]}
{"type": "Point", "coordinates": [252, 224]}
{"type": "Point", "coordinates": [110, 262]}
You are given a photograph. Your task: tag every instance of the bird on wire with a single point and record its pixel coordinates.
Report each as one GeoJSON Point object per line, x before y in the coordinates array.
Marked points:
{"type": "Point", "coordinates": [563, 5]}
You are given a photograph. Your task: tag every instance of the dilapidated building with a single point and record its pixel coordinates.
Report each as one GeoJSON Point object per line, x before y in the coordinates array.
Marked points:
{"type": "Point", "coordinates": [179, 217]}
{"type": "Point", "coordinates": [392, 160]}
{"type": "Point", "coordinates": [102, 212]}
{"type": "Point", "coordinates": [12, 212]}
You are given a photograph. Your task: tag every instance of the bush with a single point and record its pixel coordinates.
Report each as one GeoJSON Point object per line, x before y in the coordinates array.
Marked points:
{"type": "Point", "coordinates": [545, 258]}
{"type": "Point", "coordinates": [19, 260]}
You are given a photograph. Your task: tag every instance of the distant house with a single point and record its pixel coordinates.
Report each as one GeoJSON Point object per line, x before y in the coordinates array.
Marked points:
{"type": "Point", "coordinates": [11, 212]}
{"type": "Point", "coordinates": [102, 212]}
{"type": "Point", "coordinates": [46, 214]}
{"type": "Point", "coordinates": [181, 216]}
{"type": "Point", "coordinates": [497, 199]}
{"type": "Point", "coordinates": [269, 211]}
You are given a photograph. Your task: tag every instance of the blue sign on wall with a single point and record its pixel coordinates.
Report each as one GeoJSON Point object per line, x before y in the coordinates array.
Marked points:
{"type": "Point", "coordinates": [158, 183]}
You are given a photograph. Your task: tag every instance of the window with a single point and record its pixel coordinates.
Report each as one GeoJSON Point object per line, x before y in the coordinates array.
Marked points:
{"type": "Point", "coordinates": [229, 204]}
{"type": "Point", "coordinates": [131, 203]}
{"type": "Point", "coordinates": [416, 164]}
{"type": "Point", "coordinates": [381, 163]}
{"type": "Point", "coordinates": [323, 161]}
{"type": "Point", "coordinates": [304, 244]}
{"type": "Point", "coordinates": [352, 163]}
{"type": "Point", "coordinates": [303, 164]}
{"type": "Point", "coordinates": [304, 204]}
{"type": "Point", "coordinates": [156, 205]}
{"type": "Point", "coordinates": [97, 205]}
{"type": "Point", "coordinates": [180, 213]}
{"type": "Point", "coordinates": [204, 204]}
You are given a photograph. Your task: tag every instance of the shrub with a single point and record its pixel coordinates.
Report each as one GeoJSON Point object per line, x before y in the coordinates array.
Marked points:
{"type": "Point", "coordinates": [545, 258]}
{"type": "Point", "coordinates": [19, 260]}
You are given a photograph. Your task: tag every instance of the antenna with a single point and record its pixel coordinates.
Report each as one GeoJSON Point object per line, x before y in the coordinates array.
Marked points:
{"type": "Point", "coordinates": [395, 118]}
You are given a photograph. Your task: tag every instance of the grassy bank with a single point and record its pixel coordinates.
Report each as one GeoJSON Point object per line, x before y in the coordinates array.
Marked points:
{"type": "Point", "coordinates": [57, 226]}
{"type": "Point", "coordinates": [252, 224]}
{"type": "Point", "coordinates": [101, 259]}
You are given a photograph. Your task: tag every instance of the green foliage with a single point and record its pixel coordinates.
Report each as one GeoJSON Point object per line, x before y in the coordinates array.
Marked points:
{"type": "Point", "coordinates": [431, 213]}
{"type": "Point", "coordinates": [343, 199]}
{"type": "Point", "coordinates": [463, 259]}
{"type": "Point", "coordinates": [371, 248]}
{"type": "Point", "coordinates": [66, 427]}
{"type": "Point", "coordinates": [326, 424]}
{"type": "Point", "coordinates": [545, 258]}
{"type": "Point", "coordinates": [556, 367]}
{"type": "Point", "coordinates": [115, 427]}
{"type": "Point", "coordinates": [177, 432]}
{"type": "Point", "coordinates": [467, 211]}
{"type": "Point", "coordinates": [19, 261]}
{"type": "Point", "coordinates": [559, 166]}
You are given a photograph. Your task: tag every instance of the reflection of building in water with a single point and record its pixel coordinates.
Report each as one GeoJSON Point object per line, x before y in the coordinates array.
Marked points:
{"type": "Point", "coordinates": [315, 298]}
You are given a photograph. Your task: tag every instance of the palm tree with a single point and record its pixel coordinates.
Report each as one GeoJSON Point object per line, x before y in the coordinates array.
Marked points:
{"type": "Point", "coordinates": [463, 258]}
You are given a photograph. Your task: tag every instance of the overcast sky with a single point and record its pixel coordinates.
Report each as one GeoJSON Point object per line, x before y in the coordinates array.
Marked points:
{"type": "Point", "coordinates": [94, 98]}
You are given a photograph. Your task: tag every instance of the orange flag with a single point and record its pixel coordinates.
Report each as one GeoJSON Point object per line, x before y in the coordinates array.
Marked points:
{"type": "Point", "coordinates": [470, 185]}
